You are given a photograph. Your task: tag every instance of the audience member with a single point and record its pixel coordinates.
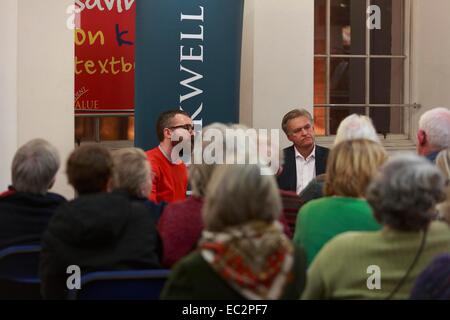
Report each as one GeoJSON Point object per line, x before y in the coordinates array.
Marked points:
{"type": "Point", "coordinates": [243, 253]}
{"type": "Point", "coordinates": [26, 208]}
{"type": "Point", "coordinates": [133, 176]}
{"type": "Point", "coordinates": [89, 169]}
{"type": "Point", "coordinates": [353, 127]}
{"type": "Point", "coordinates": [96, 231]}
{"type": "Point", "coordinates": [434, 282]}
{"type": "Point", "coordinates": [384, 264]}
{"type": "Point", "coordinates": [351, 166]}
{"type": "Point", "coordinates": [434, 133]}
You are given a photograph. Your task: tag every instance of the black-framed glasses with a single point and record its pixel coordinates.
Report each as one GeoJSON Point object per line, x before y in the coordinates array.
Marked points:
{"type": "Point", "coordinates": [188, 127]}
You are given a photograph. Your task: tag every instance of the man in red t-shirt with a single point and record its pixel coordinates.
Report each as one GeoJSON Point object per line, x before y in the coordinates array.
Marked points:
{"type": "Point", "coordinates": [170, 175]}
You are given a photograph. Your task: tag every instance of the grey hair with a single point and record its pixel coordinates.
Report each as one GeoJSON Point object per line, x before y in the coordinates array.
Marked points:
{"type": "Point", "coordinates": [436, 124]}
{"type": "Point", "coordinates": [238, 194]}
{"type": "Point", "coordinates": [354, 127]}
{"type": "Point", "coordinates": [132, 172]}
{"type": "Point", "coordinates": [34, 167]}
{"type": "Point", "coordinates": [199, 174]}
{"type": "Point", "coordinates": [405, 193]}
{"type": "Point", "coordinates": [236, 140]}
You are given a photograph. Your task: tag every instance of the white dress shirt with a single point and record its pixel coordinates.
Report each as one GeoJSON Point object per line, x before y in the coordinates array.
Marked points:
{"type": "Point", "coordinates": [306, 169]}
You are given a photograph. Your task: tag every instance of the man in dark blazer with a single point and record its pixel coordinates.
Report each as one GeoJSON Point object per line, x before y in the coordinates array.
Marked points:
{"type": "Point", "coordinates": [304, 160]}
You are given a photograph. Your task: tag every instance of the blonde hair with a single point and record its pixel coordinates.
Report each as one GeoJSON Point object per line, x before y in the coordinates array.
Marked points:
{"type": "Point", "coordinates": [443, 163]}
{"type": "Point", "coordinates": [351, 166]}
{"type": "Point", "coordinates": [132, 172]}
{"type": "Point", "coordinates": [238, 194]}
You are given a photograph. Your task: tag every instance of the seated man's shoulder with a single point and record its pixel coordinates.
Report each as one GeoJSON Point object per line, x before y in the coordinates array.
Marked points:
{"type": "Point", "coordinates": [322, 149]}
{"type": "Point", "coordinates": [288, 149]}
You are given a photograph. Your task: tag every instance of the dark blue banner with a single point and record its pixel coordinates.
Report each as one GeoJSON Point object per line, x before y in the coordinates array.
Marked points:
{"type": "Point", "coordinates": [188, 55]}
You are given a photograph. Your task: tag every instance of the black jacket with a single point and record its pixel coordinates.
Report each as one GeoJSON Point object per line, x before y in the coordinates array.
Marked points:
{"type": "Point", "coordinates": [99, 232]}
{"type": "Point", "coordinates": [25, 216]}
{"type": "Point", "coordinates": [287, 180]}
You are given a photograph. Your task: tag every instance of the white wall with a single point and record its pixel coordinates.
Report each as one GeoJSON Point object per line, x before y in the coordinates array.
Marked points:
{"type": "Point", "coordinates": [8, 89]}
{"type": "Point", "coordinates": [277, 61]}
{"type": "Point", "coordinates": [431, 56]}
{"type": "Point", "coordinates": [42, 66]}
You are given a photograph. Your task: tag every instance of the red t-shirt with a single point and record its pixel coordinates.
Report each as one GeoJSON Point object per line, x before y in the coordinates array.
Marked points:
{"type": "Point", "coordinates": [169, 180]}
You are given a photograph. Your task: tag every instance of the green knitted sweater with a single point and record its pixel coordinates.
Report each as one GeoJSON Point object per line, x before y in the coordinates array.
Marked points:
{"type": "Point", "coordinates": [345, 266]}
{"type": "Point", "coordinates": [320, 220]}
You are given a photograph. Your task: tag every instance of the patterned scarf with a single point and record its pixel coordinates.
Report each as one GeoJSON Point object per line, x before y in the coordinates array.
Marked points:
{"type": "Point", "coordinates": [256, 259]}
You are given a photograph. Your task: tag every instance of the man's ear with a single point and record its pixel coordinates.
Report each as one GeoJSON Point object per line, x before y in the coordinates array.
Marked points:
{"type": "Point", "coordinates": [167, 133]}
{"type": "Point", "coordinates": [422, 138]}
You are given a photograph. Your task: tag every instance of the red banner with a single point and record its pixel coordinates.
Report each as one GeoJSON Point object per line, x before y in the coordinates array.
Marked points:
{"type": "Point", "coordinates": [104, 55]}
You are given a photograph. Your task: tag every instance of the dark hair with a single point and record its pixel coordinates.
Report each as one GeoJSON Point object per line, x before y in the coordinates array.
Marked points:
{"type": "Point", "coordinates": [89, 168]}
{"type": "Point", "coordinates": [405, 193]}
{"type": "Point", "coordinates": [164, 121]}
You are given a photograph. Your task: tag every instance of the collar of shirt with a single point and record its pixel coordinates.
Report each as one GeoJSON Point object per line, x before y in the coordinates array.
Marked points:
{"type": "Point", "coordinates": [168, 158]}
{"type": "Point", "coordinates": [164, 153]}
{"type": "Point", "coordinates": [311, 156]}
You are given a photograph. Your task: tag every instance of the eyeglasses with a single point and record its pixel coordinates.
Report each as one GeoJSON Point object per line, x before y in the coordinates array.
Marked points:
{"type": "Point", "coordinates": [188, 127]}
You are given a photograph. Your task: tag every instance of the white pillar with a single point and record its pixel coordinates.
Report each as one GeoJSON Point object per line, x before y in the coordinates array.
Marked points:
{"type": "Point", "coordinates": [277, 61]}
{"type": "Point", "coordinates": [8, 89]}
{"type": "Point", "coordinates": [36, 80]}
{"type": "Point", "coordinates": [430, 57]}
{"type": "Point", "coordinates": [46, 78]}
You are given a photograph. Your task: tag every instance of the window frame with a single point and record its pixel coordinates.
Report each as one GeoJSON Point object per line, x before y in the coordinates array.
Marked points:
{"type": "Point", "coordinates": [97, 117]}
{"type": "Point", "coordinates": [407, 105]}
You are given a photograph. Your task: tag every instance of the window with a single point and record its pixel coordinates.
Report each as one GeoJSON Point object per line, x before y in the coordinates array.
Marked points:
{"type": "Point", "coordinates": [117, 128]}
{"type": "Point", "coordinates": [359, 70]}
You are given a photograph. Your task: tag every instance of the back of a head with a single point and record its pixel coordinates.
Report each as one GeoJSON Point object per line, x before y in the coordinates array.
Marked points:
{"type": "Point", "coordinates": [351, 166]}
{"type": "Point", "coordinates": [356, 126]}
{"type": "Point", "coordinates": [34, 167]}
{"type": "Point", "coordinates": [436, 124]}
{"type": "Point", "coordinates": [132, 172]}
{"type": "Point", "coordinates": [405, 192]}
{"type": "Point", "coordinates": [238, 194]}
{"type": "Point", "coordinates": [89, 169]}
{"type": "Point", "coordinates": [200, 173]}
